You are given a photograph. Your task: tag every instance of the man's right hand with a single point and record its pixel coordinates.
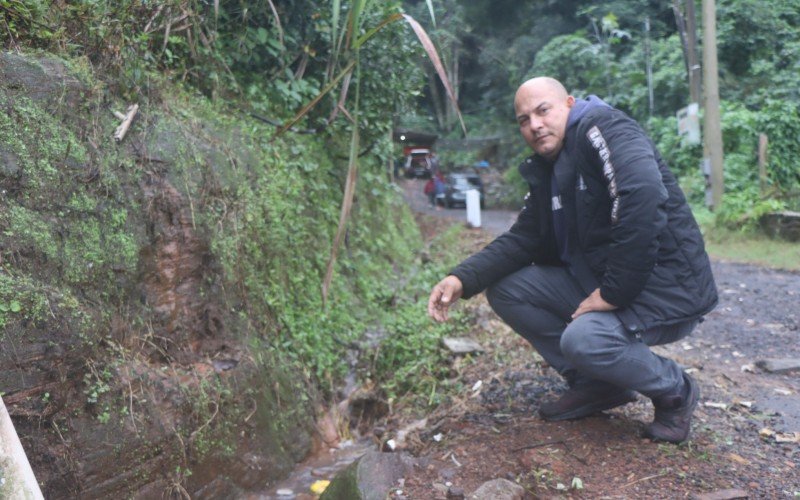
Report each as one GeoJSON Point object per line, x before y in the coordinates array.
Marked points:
{"type": "Point", "coordinates": [443, 295]}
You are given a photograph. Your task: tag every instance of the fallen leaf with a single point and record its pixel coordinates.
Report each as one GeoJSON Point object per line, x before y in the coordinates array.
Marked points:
{"type": "Point", "coordinates": [317, 487]}
{"type": "Point", "coordinates": [766, 432]}
{"type": "Point", "coordinates": [791, 437]}
{"type": "Point", "coordinates": [738, 459]}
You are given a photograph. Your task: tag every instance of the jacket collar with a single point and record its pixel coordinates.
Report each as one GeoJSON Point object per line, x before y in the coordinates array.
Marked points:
{"type": "Point", "coordinates": [535, 170]}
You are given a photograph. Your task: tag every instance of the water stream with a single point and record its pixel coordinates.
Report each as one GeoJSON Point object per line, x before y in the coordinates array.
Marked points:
{"type": "Point", "coordinates": [324, 466]}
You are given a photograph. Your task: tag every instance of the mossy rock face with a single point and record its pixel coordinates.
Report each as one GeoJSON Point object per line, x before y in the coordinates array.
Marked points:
{"type": "Point", "coordinates": [45, 80]}
{"type": "Point", "coordinates": [371, 477]}
{"type": "Point", "coordinates": [113, 303]}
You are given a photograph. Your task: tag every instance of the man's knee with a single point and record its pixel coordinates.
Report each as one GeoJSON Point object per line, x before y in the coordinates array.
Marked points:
{"type": "Point", "coordinates": [590, 337]}
{"type": "Point", "coordinates": [575, 343]}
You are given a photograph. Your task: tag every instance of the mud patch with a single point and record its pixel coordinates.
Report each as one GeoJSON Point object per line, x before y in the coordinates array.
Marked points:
{"type": "Point", "coordinates": [175, 270]}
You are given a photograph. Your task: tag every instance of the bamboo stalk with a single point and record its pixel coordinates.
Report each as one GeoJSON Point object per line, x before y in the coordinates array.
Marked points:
{"type": "Point", "coordinates": [16, 476]}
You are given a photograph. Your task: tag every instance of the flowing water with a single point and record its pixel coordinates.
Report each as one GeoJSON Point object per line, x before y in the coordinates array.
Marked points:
{"type": "Point", "coordinates": [323, 466]}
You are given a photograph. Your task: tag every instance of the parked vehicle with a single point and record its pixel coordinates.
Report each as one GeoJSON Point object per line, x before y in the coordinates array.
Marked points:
{"type": "Point", "coordinates": [456, 186]}
{"type": "Point", "coordinates": [419, 163]}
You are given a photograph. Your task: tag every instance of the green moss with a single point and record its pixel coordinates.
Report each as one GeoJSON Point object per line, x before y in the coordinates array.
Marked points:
{"type": "Point", "coordinates": [25, 299]}
{"type": "Point", "coordinates": [97, 242]}
{"type": "Point", "coordinates": [63, 216]}
{"type": "Point", "coordinates": [30, 231]}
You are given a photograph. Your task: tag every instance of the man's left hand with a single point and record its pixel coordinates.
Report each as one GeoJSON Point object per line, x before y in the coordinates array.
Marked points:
{"type": "Point", "coordinates": [593, 302]}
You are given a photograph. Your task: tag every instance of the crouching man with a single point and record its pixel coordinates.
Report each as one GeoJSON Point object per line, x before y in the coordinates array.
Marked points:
{"type": "Point", "coordinates": [604, 261]}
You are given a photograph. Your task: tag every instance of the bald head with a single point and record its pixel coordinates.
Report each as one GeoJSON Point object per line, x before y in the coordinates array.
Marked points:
{"type": "Point", "coordinates": [542, 83]}
{"type": "Point", "coordinates": [542, 108]}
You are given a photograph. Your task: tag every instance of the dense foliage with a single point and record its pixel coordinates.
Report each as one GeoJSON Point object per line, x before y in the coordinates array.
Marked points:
{"type": "Point", "coordinates": [266, 59]}
{"type": "Point", "coordinates": [603, 48]}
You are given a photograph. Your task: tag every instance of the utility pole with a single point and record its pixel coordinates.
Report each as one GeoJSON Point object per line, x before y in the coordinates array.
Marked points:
{"type": "Point", "coordinates": [711, 122]}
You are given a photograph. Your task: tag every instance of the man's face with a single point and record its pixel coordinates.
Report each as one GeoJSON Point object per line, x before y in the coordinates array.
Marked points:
{"type": "Point", "coordinates": [542, 111]}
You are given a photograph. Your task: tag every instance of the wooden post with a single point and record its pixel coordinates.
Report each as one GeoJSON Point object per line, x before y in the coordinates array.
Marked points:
{"type": "Point", "coordinates": [712, 125]}
{"type": "Point", "coordinates": [763, 158]}
{"type": "Point", "coordinates": [17, 476]}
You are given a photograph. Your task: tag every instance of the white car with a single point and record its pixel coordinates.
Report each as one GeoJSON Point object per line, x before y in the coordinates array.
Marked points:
{"type": "Point", "coordinates": [419, 163]}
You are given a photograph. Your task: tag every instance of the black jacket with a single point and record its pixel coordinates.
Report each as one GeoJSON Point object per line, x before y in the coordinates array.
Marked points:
{"type": "Point", "coordinates": [630, 230]}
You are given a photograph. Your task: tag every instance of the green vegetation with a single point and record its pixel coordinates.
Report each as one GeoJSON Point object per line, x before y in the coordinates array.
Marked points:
{"type": "Point", "coordinates": [602, 48]}
{"type": "Point", "coordinates": [748, 246]}
{"type": "Point", "coordinates": [411, 361]}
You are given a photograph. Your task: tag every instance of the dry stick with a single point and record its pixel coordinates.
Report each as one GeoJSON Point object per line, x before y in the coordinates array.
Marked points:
{"type": "Point", "coordinates": [130, 407]}
{"type": "Point", "coordinates": [10, 35]}
{"type": "Point", "coordinates": [540, 444]}
{"type": "Point", "coordinates": [574, 455]}
{"type": "Point", "coordinates": [150, 22]}
{"type": "Point", "coordinates": [166, 35]}
{"type": "Point", "coordinates": [119, 134]}
{"type": "Point", "coordinates": [645, 479]}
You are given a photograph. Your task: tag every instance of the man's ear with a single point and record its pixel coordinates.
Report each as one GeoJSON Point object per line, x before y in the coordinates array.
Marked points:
{"type": "Point", "coordinates": [570, 101]}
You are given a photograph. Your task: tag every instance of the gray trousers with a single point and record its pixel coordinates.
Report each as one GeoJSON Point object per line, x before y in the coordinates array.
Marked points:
{"type": "Point", "coordinates": [594, 349]}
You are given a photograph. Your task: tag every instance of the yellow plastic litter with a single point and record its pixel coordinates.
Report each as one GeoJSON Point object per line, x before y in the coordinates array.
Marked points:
{"type": "Point", "coordinates": [319, 486]}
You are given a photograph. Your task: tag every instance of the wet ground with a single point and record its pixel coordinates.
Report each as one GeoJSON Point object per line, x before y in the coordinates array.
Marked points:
{"type": "Point", "coordinates": [746, 428]}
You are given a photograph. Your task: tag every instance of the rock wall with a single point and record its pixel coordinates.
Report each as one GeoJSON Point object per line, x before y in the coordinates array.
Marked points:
{"type": "Point", "coordinates": [128, 359]}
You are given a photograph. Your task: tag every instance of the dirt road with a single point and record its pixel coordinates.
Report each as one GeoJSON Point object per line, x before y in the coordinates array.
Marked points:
{"type": "Point", "coordinates": [494, 222]}
{"type": "Point", "coordinates": [745, 434]}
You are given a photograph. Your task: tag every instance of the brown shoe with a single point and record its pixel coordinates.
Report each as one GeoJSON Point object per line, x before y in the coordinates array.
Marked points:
{"type": "Point", "coordinates": [579, 402]}
{"type": "Point", "coordinates": [673, 415]}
